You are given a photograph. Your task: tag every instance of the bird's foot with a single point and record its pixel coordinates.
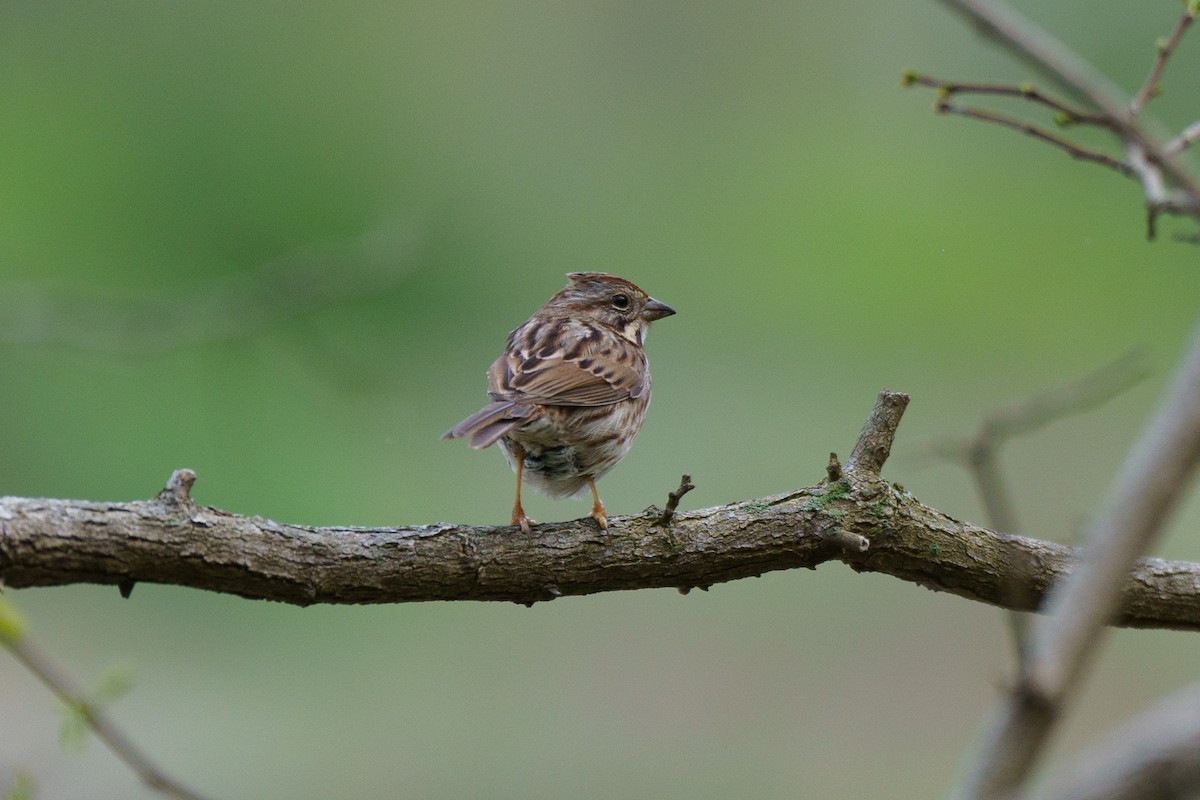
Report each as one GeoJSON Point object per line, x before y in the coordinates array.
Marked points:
{"type": "Point", "coordinates": [523, 521]}
{"type": "Point", "coordinates": [598, 512]}
{"type": "Point", "coordinates": [601, 517]}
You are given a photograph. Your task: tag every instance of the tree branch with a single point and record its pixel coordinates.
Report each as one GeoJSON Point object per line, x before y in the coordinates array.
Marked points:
{"type": "Point", "coordinates": [1154, 756]}
{"type": "Point", "coordinates": [1189, 136]}
{"type": "Point", "coordinates": [14, 639]}
{"type": "Point", "coordinates": [1156, 474]}
{"type": "Point", "coordinates": [1165, 49]}
{"type": "Point", "coordinates": [171, 540]}
{"type": "Point", "coordinates": [979, 454]}
{"type": "Point", "coordinates": [1169, 188]}
{"type": "Point", "coordinates": [673, 498]}
{"type": "Point", "coordinates": [1045, 53]}
{"type": "Point", "coordinates": [1064, 114]}
{"type": "Point", "coordinates": [874, 443]}
{"type": "Point", "coordinates": [1076, 151]}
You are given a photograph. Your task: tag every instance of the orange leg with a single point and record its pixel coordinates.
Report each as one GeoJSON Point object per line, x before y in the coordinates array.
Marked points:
{"type": "Point", "coordinates": [518, 517]}
{"type": "Point", "coordinates": [598, 512]}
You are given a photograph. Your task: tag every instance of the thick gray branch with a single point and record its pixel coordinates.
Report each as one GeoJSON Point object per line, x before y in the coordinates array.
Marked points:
{"type": "Point", "coordinates": [1155, 477]}
{"type": "Point", "coordinates": [1154, 756]}
{"type": "Point", "coordinates": [1037, 47]}
{"type": "Point", "coordinates": [169, 540]}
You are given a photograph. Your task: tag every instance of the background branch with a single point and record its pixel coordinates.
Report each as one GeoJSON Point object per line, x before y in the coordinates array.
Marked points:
{"type": "Point", "coordinates": [1188, 137]}
{"type": "Point", "coordinates": [1154, 756]}
{"type": "Point", "coordinates": [16, 641]}
{"type": "Point", "coordinates": [1070, 148]}
{"type": "Point", "coordinates": [1067, 115]}
{"type": "Point", "coordinates": [1157, 472]}
{"type": "Point", "coordinates": [1037, 47]}
{"type": "Point", "coordinates": [1168, 187]}
{"type": "Point", "coordinates": [979, 454]}
{"type": "Point", "coordinates": [1165, 49]}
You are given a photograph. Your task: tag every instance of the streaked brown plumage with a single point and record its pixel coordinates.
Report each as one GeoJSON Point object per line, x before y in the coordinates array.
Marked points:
{"type": "Point", "coordinates": [570, 391]}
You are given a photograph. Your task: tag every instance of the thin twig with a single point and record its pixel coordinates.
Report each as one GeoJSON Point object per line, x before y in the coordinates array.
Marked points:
{"type": "Point", "coordinates": [1156, 474]}
{"type": "Point", "coordinates": [1083, 81]}
{"type": "Point", "coordinates": [1069, 147]}
{"type": "Point", "coordinates": [833, 469]}
{"type": "Point", "coordinates": [999, 511]}
{"type": "Point", "coordinates": [1159, 199]}
{"type": "Point", "coordinates": [96, 719]}
{"type": "Point", "coordinates": [1045, 53]}
{"type": "Point", "coordinates": [673, 498]}
{"type": "Point", "coordinates": [1088, 392]}
{"type": "Point", "coordinates": [1189, 136]}
{"type": "Point", "coordinates": [1064, 114]}
{"type": "Point", "coordinates": [1154, 189]}
{"type": "Point", "coordinates": [1150, 87]}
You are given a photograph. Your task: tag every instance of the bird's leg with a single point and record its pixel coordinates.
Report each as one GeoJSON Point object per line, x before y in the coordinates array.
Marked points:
{"type": "Point", "coordinates": [598, 512]}
{"type": "Point", "coordinates": [518, 517]}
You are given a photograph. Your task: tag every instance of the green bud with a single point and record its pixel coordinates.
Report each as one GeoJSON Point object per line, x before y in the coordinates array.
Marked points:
{"type": "Point", "coordinates": [23, 787]}
{"type": "Point", "coordinates": [115, 683]}
{"type": "Point", "coordinates": [12, 624]}
{"type": "Point", "coordinates": [73, 732]}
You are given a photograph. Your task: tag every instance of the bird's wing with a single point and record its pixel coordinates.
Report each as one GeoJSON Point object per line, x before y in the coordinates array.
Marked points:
{"type": "Point", "coordinates": [491, 422]}
{"type": "Point", "coordinates": [562, 362]}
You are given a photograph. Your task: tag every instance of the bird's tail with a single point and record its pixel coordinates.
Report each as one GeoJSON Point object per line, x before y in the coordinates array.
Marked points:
{"type": "Point", "coordinates": [491, 422]}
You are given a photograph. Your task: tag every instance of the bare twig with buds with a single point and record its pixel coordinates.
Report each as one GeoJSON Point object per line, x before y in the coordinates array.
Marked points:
{"type": "Point", "coordinates": [1168, 187]}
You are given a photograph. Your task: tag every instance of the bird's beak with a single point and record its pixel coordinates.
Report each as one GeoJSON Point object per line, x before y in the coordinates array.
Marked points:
{"type": "Point", "coordinates": [655, 310]}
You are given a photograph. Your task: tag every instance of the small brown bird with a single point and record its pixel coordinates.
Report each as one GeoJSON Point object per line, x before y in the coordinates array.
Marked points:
{"type": "Point", "coordinates": [571, 389]}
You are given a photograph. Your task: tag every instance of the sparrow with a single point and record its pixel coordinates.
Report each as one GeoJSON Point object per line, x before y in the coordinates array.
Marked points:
{"type": "Point", "coordinates": [570, 391]}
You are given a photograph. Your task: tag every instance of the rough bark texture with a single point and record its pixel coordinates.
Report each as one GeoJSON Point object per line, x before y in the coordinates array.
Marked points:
{"type": "Point", "coordinates": [170, 540]}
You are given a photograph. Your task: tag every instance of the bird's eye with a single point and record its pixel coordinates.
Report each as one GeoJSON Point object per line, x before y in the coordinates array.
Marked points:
{"type": "Point", "coordinates": [620, 301]}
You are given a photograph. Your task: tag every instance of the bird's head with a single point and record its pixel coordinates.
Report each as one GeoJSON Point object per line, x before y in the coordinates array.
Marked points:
{"type": "Point", "coordinates": [610, 301]}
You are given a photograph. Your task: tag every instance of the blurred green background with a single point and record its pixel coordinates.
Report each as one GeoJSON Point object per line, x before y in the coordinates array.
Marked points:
{"type": "Point", "coordinates": [280, 244]}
